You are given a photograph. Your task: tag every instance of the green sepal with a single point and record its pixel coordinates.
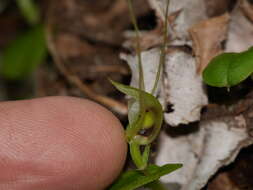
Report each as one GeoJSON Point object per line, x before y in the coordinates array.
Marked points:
{"type": "Point", "coordinates": [139, 159]}
{"type": "Point", "coordinates": [150, 103]}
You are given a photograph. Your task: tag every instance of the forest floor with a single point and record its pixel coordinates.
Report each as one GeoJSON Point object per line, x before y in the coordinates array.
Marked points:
{"type": "Point", "coordinates": [85, 42]}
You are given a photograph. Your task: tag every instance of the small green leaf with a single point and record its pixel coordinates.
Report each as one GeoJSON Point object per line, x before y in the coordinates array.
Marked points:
{"type": "Point", "coordinates": [133, 179]}
{"type": "Point", "coordinates": [24, 54]}
{"type": "Point", "coordinates": [29, 10]}
{"type": "Point", "coordinates": [229, 69]}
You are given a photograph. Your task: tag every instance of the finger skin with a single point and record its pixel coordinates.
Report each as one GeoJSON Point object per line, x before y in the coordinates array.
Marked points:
{"type": "Point", "coordinates": [59, 143]}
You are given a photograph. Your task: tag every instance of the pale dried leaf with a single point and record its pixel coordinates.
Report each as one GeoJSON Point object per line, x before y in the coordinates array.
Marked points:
{"type": "Point", "coordinates": [183, 89]}
{"type": "Point", "coordinates": [183, 150]}
{"type": "Point", "coordinates": [207, 37]}
{"type": "Point", "coordinates": [215, 144]}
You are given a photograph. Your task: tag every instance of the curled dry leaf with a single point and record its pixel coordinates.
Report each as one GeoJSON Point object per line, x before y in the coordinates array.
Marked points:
{"type": "Point", "coordinates": [207, 37]}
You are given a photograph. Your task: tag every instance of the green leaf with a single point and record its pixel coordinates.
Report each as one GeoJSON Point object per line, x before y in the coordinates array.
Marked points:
{"type": "Point", "coordinates": [133, 179]}
{"type": "Point", "coordinates": [229, 69]}
{"type": "Point", "coordinates": [24, 54]}
{"type": "Point", "coordinates": [29, 10]}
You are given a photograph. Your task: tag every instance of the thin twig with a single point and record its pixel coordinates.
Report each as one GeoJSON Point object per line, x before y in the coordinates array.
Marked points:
{"type": "Point", "coordinates": [72, 78]}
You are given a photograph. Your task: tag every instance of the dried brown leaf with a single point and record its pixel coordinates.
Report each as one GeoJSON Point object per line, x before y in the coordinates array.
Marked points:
{"type": "Point", "coordinates": [148, 39]}
{"type": "Point", "coordinates": [152, 38]}
{"type": "Point", "coordinates": [222, 182]}
{"type": "Point", "coordinates": [207, 37]}
{"type": "Point", "coordinates": [71, 46]}
{"type": "Point", "coordinates": [216, 7]}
